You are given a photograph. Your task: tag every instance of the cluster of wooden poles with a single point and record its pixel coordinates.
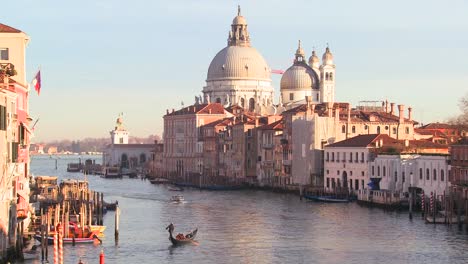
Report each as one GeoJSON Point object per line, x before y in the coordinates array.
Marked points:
{"type": "Point", "coordinates": [444, 209]}
{"type": "Point", "coordinates": [85, 206]}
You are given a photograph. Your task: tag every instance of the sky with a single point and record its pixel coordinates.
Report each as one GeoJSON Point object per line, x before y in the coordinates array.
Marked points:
{"type": "Point", "coordinates": [99, 58]}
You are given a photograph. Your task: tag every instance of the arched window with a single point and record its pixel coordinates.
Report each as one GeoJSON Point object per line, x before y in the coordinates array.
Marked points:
{"type": "Point", "coordinates": [242, 102]}
{"type": "Point", "coordinates": [403, 177]}
{"type": "Point", "coordinates": [333, 156]}
{"type": "Point", "coordinates": [326, 76]}
{"type": "Point", "coordinates": [124, 161]}
{"type": "Point", "coordinates": [396, 176]}
{"type": "Point", "coordinates": [251, 104]}
{"type": "Point", "coordinates": [362, 157]}
{"type": "Point", "coordinates": [331, 76]}
{"type": "Point", "coordinates": [353, 129]}
{"type": "Point", "coordinates": [378, 130]}
{"type": "Point", "coordinates": [328, 156]}
{"type": "Point", "coordinates": [343, 129]}
{"type": "Point", "coordinates": [407, 130]}
{"type": "Point", "coordinates": [372, 170]}
{"type": "Point", "coordinates": [378, 170]}
{"type": "Point", "coordinates": [442, 175]}
{"type": "Point", "coordinates": [394, 130]}
{"type": "Point", "coordinates": [427, 174]}
{"type": "Point", "coordinates": [420, 174]}
{"type": "Point", "coordinates": [356, 157]}
{"type": "Point", "coordinates": [434, 174]}
{"type": "Point", "coordinates": [383, 171]}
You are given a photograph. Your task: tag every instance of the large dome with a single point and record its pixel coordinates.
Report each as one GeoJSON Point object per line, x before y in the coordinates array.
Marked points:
{"type": "Point", "coordinates": [300, 76]}
{"type": "Point", "coordinates": [238, 62]}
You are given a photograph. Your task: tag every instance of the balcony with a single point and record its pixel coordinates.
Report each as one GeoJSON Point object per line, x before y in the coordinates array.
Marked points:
{"type": "Point", "coordinates": [267, 145]}
{"type": "Point", "coordinates": [268, 163]}
{"type": "Point", "coordinates": [286, 162]}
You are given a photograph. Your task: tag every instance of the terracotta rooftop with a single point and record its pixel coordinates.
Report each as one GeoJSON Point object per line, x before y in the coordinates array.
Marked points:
{"type": "Point", "coordinates": [363, 141]}
{"type": "Point", "coordinates": [277, 125]}
{"type": "Point", "coordinates": [7, 29]}
{"type": "Point", "coordinates": [437, 126]}
{"type": "Point", "coordinates": [212, 108]}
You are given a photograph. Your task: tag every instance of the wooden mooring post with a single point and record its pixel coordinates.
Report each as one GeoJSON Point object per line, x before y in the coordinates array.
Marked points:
{"type": "Point", "coordinates": [117, 222]}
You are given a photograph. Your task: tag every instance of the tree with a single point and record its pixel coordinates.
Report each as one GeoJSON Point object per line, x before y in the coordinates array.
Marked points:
{"type": "Point", "coordinates": [462, 119]}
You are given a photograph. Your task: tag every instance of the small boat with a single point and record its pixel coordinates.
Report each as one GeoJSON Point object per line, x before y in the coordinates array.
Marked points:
{"type": "Point", "coordinates": [111, 206]}
{"type": "Point", "coordinates": [98, 229]}
{"type": "Point", "coordinates": [326, 199]}
{"type": "Point", "coordinates": [111, 173]}
{"type": "Point", "coordinates": [177, 198]}
{"type": "Point", "coordinates": [158, 181]}
{"type": "Point", "coordinates": [181, 239]}
{"type": "Point", "coordinates": [175, 189]}
{"type": "Point", "coordinates": [70, 240]}
{"type": "Point", "coordinates": [73, 167]}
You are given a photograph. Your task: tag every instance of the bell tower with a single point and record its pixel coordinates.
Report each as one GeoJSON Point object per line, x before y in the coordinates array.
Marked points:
{"type": "Point", "coordinates": [327, 77]}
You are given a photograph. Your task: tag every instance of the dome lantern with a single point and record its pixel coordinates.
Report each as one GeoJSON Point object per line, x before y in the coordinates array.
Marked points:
{"type": "Point", "coordinates": [239, 35]}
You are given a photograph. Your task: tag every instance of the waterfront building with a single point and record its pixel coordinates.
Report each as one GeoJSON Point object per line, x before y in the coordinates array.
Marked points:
{"type": "Point", "coordinates": [156, 163]}
{"type": "Point", "coordinates": [14, 136]}
{"type": "Point", "coordinates": [346, 161]}
{"type": "Point", "coordinates": [420, 164]}
{"type": "Point", "coordinates": [239, 75]}
{"type": "Point", "coordinates": [270, 155]}
{"type": "Point", "coordinates": [309, 127]}
{"type": "Point", "coordinates": [130, 158]}
{"type": "Point", "coordinates": [182, 148]}
{"type": "Point", "coordinates": [459, 168]}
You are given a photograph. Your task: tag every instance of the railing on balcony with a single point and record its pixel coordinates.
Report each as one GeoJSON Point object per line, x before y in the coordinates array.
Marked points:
{"type": "Point", "coordinates": [268, 145]}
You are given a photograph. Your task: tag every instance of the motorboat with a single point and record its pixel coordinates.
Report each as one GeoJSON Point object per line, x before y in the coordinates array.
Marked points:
{"type": "Point", "coordinates": [177, 198]}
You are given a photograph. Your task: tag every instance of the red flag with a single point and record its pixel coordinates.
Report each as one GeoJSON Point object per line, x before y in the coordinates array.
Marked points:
{"type": "Point", "coordinates": [37, 82]}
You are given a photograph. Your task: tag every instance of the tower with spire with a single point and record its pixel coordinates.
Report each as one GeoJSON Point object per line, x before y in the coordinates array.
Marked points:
{"type": "Point", "coordinates": [327, 77]}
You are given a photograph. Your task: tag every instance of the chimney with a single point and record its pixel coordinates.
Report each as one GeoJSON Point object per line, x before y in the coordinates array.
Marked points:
{"type": "Point", "coordinates": [401, 108]}
{"type": "Point", "coordinates": [167, 111]}
{"type": "Point", "coordinates": [409, 112]}
{"type": "Point", "coordinates": [155, 142]}
{"type": "Point", "coordinates": [386, 106]}
{"type": "Point", "coordinates": [337, 113]}
{"type": "Point", "coordinates": [209, 111]}
{"type": "Point", "coordinates": [172, 110]}
{"type": "Point", "coordinates": [256, 122]}
{"type": "Point", "coordinates": [349, 113]}
{"type": "Point", "coordinates": [392, 108]}
{"type": "Point", "coordinates": [330, 108]}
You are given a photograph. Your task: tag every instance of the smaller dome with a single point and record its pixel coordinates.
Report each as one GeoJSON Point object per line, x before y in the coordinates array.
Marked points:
{"type": "Point", "coordinates": [239, 20]}
{"type": "Point", "coordinates": [327, 57]}
{"type": "Point", "coordinates": [299, 77]}
{"type": "Point", "coordinates": [314, 60]}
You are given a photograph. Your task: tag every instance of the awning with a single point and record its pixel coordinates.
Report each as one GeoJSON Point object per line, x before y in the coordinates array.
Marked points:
{"type": "Point", "coordinates": [27, 128]}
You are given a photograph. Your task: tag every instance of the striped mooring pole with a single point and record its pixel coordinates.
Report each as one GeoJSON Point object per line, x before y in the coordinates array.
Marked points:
{"type": "Point", "coordinates": [56, 254]}
{"type": "Point", "coordinates": [432, 203]}
{"type": "Point", "coordinates": [423, 201]}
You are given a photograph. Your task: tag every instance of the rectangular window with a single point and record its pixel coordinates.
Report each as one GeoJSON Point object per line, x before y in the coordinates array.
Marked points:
{"type": "Point", "coordinates": [14, 151]}
{"type": "Point", "coordinates": [21, 134]}
{"type": "Point", "coordinates": [3, 117]}
{"type": "Point", "coordinates": [4, 54]}
{"type": "Point", "coordinates": [291, 96]}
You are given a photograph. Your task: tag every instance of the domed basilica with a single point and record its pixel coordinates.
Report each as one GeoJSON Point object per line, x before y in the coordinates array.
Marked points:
{"type": "Point", "coordinates": [239, 75]}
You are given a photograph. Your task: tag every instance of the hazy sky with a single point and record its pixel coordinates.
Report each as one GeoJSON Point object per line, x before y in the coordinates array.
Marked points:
{"type": "Point", "coordinates": [102, 57]}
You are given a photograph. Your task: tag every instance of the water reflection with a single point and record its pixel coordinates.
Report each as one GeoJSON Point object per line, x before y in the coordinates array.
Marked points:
{"type": "Point", "coordinates": [254, 227]}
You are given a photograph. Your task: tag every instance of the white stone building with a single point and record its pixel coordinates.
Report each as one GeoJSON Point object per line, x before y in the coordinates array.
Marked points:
{"type": "Point", "coordinates": [239, 74]}
{"type": "Point", "coordinates": [130, 158]}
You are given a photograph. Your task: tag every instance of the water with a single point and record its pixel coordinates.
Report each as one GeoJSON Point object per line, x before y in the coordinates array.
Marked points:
{"type": "Point", "coordinates": [253, 227]}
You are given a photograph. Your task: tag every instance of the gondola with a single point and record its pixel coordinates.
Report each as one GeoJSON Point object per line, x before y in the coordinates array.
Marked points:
{"type": "Point", "coordinates": [327, 199]}
{"type": "Point", "coordinates": [178, 240]}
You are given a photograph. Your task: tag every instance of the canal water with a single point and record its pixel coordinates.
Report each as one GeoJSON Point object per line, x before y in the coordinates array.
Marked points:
{"type": "Point", "coordinates": [252, 227]}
